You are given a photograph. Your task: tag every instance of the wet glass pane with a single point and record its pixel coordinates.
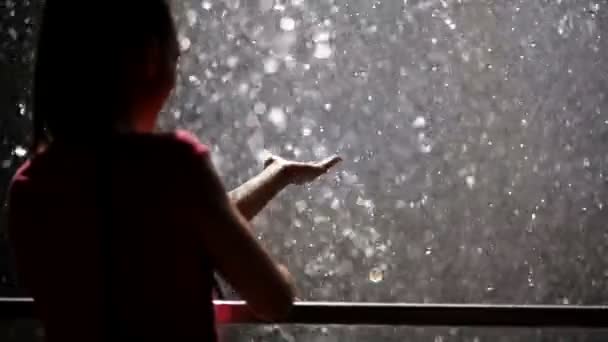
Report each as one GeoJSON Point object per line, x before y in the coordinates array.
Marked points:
{"type": "Point", "coordinates": [474, 135]}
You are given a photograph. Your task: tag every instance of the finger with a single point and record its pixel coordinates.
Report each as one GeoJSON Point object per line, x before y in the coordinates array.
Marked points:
{"type": "Point", "coordinates": [330, 162]}
{"type": "Point", "coordinates": [268, 161]}
{"type": "Point", "coordinates": [270, 158]}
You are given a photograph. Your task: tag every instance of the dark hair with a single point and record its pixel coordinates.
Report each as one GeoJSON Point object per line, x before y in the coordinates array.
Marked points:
{"type": "Point", "coordinates": [85, 48]}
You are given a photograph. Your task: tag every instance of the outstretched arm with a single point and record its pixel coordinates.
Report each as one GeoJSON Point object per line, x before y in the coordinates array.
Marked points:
{"type": "Point", "coordinates": [251, 197]}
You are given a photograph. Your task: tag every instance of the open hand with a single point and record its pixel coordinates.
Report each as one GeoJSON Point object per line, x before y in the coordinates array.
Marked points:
{"type": "Point", "coordinates": [302, 172]}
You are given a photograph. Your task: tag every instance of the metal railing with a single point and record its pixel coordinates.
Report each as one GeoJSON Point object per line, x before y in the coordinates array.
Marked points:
{"type": "Point", "coordinates": [346, 313]}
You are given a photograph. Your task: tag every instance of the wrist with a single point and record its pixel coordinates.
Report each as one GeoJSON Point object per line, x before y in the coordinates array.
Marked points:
{"type": "Point", "coordinates": [284, 174]}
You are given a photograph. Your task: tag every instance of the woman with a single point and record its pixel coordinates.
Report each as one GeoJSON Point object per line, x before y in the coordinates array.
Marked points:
{"type": "Point", "coordinates": [117, 230]}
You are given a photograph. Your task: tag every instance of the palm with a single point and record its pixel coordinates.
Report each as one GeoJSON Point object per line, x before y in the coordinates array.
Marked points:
{"type": "Point", "coordinates": [303, 172]}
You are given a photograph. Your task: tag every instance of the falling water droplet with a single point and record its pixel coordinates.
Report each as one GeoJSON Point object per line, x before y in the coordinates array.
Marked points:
{"type": "Point", "coordinates": [419, 122]}
{"type": "Point", "coordinates": [19, 151]}
{"type": "Point", "coordinates": [191, 16]}
{"type": "Point", "coordinates": [259, 108]}
{"type": "Point", "coordinates": [301, 206]}
{"type": "Point", "coordinates": [287, 24]}
{"type": "Point", "coordinates": [13, 33]}
{"type": "Point", "coordinates": [184, 44]}
{"type": "Point", "coordinates": [232, 61]}
{"type": "Point", "coordinates": [322, 51]}
{"type": "Point", "coordinates": [426, 148]}
{"type": "Point", "coordinates": [376, 275]}
{"type": "Point", "coordinates": [278, 118]}
{"type": "Point", "coordinates": [586, 162]}
{"type": "Point", "coordinates": [470, 181]}
{"type": "Point", "coordinates": [271, 65]}
{"type": "Point", "coordinates": [21, 109]}
{"type": "Point", "coordinates": [321, 37]}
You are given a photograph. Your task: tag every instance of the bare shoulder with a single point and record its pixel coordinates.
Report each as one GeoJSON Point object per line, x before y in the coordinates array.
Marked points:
{"type": "Point", "coordinates": [191, 140]}
{"type": "Point", "coordinates": [177, 149]}
{"type": "Point", "coordinates": [185, 142]}
{"type": "Point", "coordinates": [183, 153]}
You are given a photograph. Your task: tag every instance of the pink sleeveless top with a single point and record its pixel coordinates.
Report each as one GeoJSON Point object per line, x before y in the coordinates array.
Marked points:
{"type": "Point", "coordinates": [164, 279]}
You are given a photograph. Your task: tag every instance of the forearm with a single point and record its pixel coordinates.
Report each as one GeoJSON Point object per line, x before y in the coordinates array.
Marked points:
{"type": "Point", "coordinates": [252, 196]}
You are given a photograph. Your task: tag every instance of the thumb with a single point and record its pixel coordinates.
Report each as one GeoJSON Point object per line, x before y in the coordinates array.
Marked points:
{"type": "Point", "coordinates": [268, 161]}
{"type": "Point", "coordinates": [269, 158]}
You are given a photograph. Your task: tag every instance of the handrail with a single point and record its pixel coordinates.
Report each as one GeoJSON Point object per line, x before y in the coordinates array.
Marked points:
{"type": "Point", "coordinates": [346, 313]}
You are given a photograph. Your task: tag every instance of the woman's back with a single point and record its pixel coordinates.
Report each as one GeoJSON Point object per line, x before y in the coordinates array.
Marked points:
{"type": "Point", "coordinates": [163, 282]}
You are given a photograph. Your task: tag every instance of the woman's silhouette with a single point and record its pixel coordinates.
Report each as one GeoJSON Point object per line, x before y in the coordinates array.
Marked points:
{"type": "Point", "coordinates": [117, 230]}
